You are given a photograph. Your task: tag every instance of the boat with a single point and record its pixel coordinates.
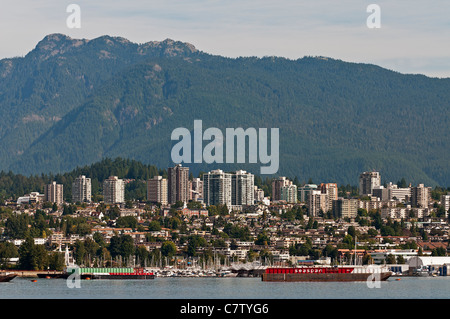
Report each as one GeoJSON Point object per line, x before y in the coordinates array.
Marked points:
{"type": "Point", "coordinates": [325, 273]}
{"type": "Point", "coordinates": [421, 271]}
{"type": "Point", "coordinates": [113, 273]}
{"type": "Point", "coordinates": [7, 277]}
{"type": "Point", "coordinates": [328, 273]}
{"type": "Point", "coordinates": [226, 273]}
{"type": "Point", "coordinates": [89, 273]}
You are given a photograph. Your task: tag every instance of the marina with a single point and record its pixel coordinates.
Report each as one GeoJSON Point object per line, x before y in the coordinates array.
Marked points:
{"type": "Point", "coordinates": [250, 269]}
{"type": "Point", "coordinates": [225, 288]}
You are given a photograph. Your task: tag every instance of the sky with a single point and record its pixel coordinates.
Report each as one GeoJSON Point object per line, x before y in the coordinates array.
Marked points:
{"type": "Point", "coordinates": [413, 37]}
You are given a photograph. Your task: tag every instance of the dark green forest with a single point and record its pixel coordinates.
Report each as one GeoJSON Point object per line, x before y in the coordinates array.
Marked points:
{"type": "Point", "coordinates": [112, 98]}
{"type": "Point", "coordinates": [13, 185]}
{"type": "Point", "coordinates": [136, 173]}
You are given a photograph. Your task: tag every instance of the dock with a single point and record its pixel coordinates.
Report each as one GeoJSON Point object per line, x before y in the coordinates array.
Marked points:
{"type": "Point", "coordinates": [31, 273]}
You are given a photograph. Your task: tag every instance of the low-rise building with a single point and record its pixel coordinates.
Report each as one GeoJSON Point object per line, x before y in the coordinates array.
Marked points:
{"type": "Point", "coordinates": [345, 208]}
{"type": "Point", "coordinates": [379, 256]}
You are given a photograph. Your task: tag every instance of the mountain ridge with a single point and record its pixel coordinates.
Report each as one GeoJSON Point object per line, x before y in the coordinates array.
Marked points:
{"type": "Point", "coordinates": [336, 118]}
{"type": "Point", "coordinates": [54, 41]}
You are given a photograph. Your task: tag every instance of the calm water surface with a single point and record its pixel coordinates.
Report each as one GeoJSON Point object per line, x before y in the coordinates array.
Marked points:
{"type": "Point", "coordinates": [225, 288]}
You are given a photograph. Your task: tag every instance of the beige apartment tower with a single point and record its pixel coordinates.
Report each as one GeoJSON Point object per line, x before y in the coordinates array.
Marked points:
{"type": "Point", "coordinates": [277, 184]}
{"type": "Point", "coordinates": [54, 193]}
{"type": "Point", "coordinates": [445, 201]}
{"type": "Point", "coordinates": [331, 190]}
{"type": "Point", "coordinates": [242, 188]}
{"type": "Point", "coordinates": [289, 193]}
{"type": "Point", "coordinates": [178, 184]}
{"type": "Point", "coordinates": [322, 198]}
{"type": "Point", "coordinates": [420, 196]}
{"type": "Point", "coordinates": [345, 208]}
{"type": "Point", "coordinates": [367, 182]}
{"type": "Point", "coordinates": [196, 189]}
{"type": "Point", "coordinates": [217, 188]}
{"type": "Point", "coordinates": [317, 202]}
{"type": "Point", "coordinates": [113, 190]}
{"type": "Point", "coordinates": [81, 189]}
{"type": "Point", "coordinates": [157, 190]}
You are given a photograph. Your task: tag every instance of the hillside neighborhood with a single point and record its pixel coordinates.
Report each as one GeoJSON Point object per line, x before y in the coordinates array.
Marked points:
{"type": "Point", "coordinates": [223, 218]}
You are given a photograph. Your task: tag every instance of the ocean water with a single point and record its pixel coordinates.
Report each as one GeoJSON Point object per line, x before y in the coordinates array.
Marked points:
{"type": "Point", "coordinates": [225, 288]}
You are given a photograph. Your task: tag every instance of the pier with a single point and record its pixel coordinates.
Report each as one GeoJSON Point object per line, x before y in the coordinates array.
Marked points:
{"type": "Point", "coordinates": [31, 273]}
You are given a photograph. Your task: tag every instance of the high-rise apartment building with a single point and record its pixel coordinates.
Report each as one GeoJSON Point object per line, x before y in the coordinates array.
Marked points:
{"type": "Point", "coordinates": [331, 190]}
{"type": "Point", "coordinates": [445, 201]}
{"type": "Point", "coordinates": [217, 188]}
{"type": "Point", "coordinates": [233, 189]}
{"type": "Point", "coordinates": [368, 181]}
{"type": "Point", "coordinates": [259, 194]}
{"type": "Point", "coordinates": [420, 196]}
{"type": "Point", "coordinates": [322, 198]}
{"type": "Point", "coordinates": [289, 193]}
{"type": "Point", "coordinates": [304, 191]}
{"type": "Point", "coordinates": [242, 188]}
{"type": "Point", "coordinates": [113, 190]}
{"type": "Point", "coordinates": [317, 203]}
{"type": "Point", "coordinates": [380, 192]}
{"type": "Point", "coordinates": [81, 189]}
{"type": "Point", "coordinates": [277, 184]}
{"type": "Point", "coordinates": [196, 189]}
{"type": "Point", "coordinates": [345, 208]}
{"type": "Point", "coordinates": [54, 193]}
{"type": "Point", "coordinates": [157, 190]}
{"type": "Point", "coordinates": [178, 184]}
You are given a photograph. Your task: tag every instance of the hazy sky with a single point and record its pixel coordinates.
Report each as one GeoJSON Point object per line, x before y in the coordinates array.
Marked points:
{"type": "Point", "coordinates": [414, 36]}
